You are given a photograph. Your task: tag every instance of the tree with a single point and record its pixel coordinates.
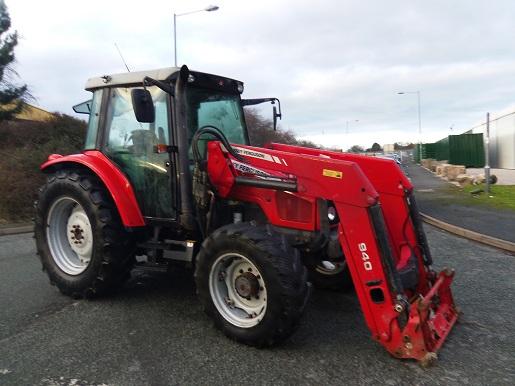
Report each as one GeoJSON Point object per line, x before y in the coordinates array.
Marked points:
{"type": "Point", "coordinates": [12, 97]}
{"type": "Point", "coordinates": [376, 147]}
{"type": "Point", "coordinates": [261, 132]}
{"type": "Point", "coordinates": [355, 149]}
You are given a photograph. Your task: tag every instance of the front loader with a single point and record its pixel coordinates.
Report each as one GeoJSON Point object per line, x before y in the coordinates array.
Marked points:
{"type": "Point", "coordinates": [168, 176]}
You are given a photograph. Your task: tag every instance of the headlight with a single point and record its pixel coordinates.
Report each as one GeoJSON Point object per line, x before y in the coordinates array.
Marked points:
{"type": "Point", "coordinates": [240, 87]}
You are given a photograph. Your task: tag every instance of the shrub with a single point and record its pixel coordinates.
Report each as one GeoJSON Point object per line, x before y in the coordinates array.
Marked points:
{"type": "Point", "coordinates": [24, 145]}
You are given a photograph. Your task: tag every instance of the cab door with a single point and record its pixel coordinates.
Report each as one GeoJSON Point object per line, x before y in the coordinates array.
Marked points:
{"type": "Point", "coordinates": [133, 145]}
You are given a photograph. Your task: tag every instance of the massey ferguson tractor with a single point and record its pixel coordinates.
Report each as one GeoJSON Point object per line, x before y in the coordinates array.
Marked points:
{"type": "Point", "coordinates": [168, 176]}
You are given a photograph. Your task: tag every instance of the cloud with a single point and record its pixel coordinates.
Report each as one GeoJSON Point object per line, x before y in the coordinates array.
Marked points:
{"type": "Point", "coordinates": [329, 62]}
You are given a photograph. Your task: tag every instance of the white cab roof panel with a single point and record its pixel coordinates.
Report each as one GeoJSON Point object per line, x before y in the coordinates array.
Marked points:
{"type": "Point", "coordinates": [127, 78]}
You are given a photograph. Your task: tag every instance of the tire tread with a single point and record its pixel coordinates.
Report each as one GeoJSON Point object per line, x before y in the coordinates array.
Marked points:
{"type": "Point", "coordinates": [285, 262]}
{"type": "Point", "coordinates": [117, 259]}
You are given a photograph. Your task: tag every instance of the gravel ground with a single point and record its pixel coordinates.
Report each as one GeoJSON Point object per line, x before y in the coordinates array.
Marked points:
{"type": "Point", "coordinates": [153, 332]}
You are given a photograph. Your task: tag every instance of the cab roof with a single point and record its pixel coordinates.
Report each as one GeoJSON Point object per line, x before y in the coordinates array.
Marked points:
{"type": "Point", "coordinates": [129, 78]}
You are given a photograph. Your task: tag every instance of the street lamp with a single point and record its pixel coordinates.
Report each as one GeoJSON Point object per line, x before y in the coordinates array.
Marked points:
{"type": "Point", "coordinates": [419, 119]}
{"type": "Point", "coordinates": [209, 8]}
{"type": "Point", "coordinates": [347, 125]}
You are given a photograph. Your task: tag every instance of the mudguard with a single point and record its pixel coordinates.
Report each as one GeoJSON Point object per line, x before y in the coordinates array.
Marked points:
{"type": "Point", "coordinates": [115, 181]}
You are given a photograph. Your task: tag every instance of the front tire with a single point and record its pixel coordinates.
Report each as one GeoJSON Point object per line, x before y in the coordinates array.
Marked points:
{"type": "Point", "coordinates": [80, 239]}
{"type": "Point", "coordinates": [252, 283]}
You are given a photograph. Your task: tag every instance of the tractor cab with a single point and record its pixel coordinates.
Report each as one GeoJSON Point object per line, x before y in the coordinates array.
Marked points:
{"type": "Point", "coordinates": [141, 138]}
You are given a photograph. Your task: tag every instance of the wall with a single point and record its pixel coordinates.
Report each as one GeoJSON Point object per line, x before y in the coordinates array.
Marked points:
{"type": "Point", "coordinates": [502, 141]}
{"type": "Point", "coordinates": [33, 113]}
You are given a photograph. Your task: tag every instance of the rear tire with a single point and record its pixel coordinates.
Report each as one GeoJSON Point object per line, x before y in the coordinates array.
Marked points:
{"type": "Point", "coordinates": [337, 279]}
{"type": "Point", "coordinates": [328, 267]}
{"type": "Point", "coordinates": [252, 283]}
{"type": "Point", "coordinates": [80, 239]}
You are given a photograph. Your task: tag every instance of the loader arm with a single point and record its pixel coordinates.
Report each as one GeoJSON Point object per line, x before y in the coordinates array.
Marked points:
{"type": "Point", "coordinates": [407, 307]}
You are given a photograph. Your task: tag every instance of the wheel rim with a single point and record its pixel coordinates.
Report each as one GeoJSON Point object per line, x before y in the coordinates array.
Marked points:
{"type": "Point", "coordinates": [238, 290]}
{"type": "Point", "coordinates": [326, 269]}
{"type": "Point", "coordinates": [69, 235]}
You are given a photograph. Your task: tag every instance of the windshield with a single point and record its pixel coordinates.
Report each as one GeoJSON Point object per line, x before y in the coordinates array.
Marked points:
{"type": "Point", "coordinates": [218, 109]}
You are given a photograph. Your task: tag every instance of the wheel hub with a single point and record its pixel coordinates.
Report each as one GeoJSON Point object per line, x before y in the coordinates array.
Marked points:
{"type": "Point", "coordinates": [77, 232]}
{"type": "Point", "coordinates": [80, 236]}
{"type": "Point", "coordinates": [247, 285]}
{"type": "Point", "coordinates": [70, 235]}
{"type": "Point", "coordinates": [327, 267]}
{"type": "Point", "coordinates": [238, 290]}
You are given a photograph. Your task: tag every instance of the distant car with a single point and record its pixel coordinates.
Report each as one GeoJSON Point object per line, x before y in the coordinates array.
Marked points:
{"type": "Point", "coordinates": [394, 156]}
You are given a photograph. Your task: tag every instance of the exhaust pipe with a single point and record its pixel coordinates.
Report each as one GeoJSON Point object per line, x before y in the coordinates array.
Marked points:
{"type": "Point", "coordinates": [187, 216]}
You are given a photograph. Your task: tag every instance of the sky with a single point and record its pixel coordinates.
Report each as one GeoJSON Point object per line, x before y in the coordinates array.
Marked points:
{"type": "Point", "coordinates": [336, 66]}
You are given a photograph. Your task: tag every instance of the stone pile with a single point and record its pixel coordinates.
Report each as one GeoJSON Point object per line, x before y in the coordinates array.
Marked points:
{"type": "Point", "coordinates": [454, 173]}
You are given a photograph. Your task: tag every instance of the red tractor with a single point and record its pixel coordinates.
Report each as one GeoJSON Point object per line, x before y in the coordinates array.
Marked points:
{"type": "Point", "coordinates": [168, 176]}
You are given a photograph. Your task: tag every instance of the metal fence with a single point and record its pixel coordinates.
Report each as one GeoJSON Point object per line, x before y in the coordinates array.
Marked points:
{"type": "Point", "coordinates": [463, 149]}
{"type": "Point", "coordinates": [467, 149]}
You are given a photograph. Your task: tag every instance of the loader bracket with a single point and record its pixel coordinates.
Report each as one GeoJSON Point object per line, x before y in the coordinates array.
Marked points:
{"type": "Point", "coordinates": [431, 318]}
{"type": "Point", "coordinates": [409, 274]}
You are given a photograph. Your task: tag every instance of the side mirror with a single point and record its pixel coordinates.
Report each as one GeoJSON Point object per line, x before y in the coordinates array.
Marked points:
{"type": "Point", "coordinates": [276, 112]}
{"type": "Point", "coordinates": [276, 115]}
{"type": "Point", "coordinates": [143, 105]}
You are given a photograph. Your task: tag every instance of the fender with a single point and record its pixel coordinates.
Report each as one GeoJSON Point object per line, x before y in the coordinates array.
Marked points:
{"type": "Point", "coordinates": [116, 182]}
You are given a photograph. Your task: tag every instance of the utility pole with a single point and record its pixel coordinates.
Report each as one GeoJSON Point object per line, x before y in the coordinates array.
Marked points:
{"type": "Point", "coordinates": [487, 155]}
{"type": "Point", "coordinates": [347, 125]}
{"type": "Point", "coordinates": [175, 39]}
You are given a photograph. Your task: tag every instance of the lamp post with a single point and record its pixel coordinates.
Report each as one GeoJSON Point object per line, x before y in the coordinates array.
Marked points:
{"type": "Point", "coordinates": [487, 155]}
{"type": "Point", "coordinates": [419, 118]}
{"type": "Point", "coordinates": [209, 8]}
{"type": "Point", "coordinates": [347, 125]}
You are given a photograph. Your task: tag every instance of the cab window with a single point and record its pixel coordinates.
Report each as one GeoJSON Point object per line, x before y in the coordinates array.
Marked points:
{"type": "Point", "coordinates": [218, 109]}
{"type": "Point", "coordinates": [132, 146]}
{"type": "Point", "coordinates": [92, 108]}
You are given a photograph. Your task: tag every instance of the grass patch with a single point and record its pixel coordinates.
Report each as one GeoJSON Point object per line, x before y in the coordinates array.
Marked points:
{"type": "Point", "coordinates": [501, 196]}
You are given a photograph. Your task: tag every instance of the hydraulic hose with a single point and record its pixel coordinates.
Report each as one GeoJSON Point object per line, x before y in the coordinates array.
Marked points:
{"type": "Point", "coordinates": [214, 131]}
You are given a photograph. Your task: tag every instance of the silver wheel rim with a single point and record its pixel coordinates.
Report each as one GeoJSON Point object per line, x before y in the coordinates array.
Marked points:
{"type": "Point", "coordinates": [69, 236]}
{"type": "Point", "coordinates": [228, 278]}
{"type": "Point", "coordinates": [338, 268]}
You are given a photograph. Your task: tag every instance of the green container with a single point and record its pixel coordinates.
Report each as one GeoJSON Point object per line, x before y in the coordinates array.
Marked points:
{"type": "Point", "coordinates": [463, 149]}
{"type": "Point", "coordinates": [442, 149]}
{"type": "Point", "coordinates": [466, 149]}
{"type": "Point", "coordinates": [429, 150]}
{"type": "Point", "coordinates": [416, 153]}
{"type": "Point", "coordinates": [421, 151]}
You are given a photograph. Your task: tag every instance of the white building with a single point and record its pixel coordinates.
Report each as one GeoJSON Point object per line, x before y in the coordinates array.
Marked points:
{"type": "Point", "coordinates": [502, 140]}
{"type": "Point", "coordinates": [389, 148]}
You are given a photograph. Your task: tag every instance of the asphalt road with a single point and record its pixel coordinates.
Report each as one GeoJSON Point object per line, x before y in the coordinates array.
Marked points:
{"type": "Point", "coordinates": [439, 199]}
{"type": "Point", "coordinates": [153, 332]}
